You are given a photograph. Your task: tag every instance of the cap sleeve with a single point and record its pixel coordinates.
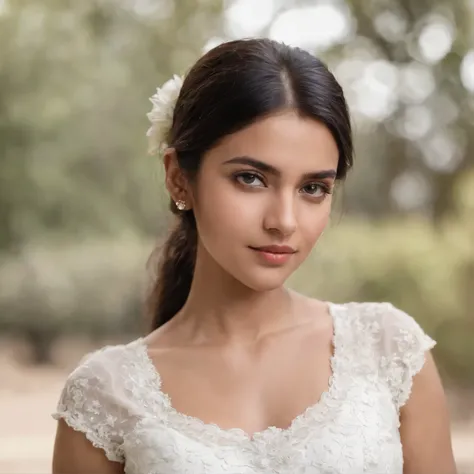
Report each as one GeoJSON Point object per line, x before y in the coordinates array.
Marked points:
{"type": "Point", "coordinates": [404, 344]}
{"type": "Point", "coordinates": [87, 404]}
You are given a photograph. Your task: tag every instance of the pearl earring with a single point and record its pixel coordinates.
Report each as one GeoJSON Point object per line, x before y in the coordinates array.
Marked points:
{"type": "Point", "coordinates": [181, 205]}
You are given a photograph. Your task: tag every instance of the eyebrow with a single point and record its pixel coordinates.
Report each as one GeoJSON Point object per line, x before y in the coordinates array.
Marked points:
{"type": "Point", "coordinates": [266, 168]}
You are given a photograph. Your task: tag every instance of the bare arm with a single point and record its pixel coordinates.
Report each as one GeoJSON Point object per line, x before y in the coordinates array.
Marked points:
{"type": "Point", "coordinates": [75, 454]}
{"type": "Point", "coordinates": [425, 428]}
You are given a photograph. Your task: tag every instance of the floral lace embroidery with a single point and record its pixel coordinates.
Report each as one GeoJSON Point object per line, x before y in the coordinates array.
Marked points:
{"type": "Point", "coordinates": [83, 405]}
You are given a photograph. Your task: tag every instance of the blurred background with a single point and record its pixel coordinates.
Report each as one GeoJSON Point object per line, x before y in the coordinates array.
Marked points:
{"type": "Point", "coordinates": [82, 205]}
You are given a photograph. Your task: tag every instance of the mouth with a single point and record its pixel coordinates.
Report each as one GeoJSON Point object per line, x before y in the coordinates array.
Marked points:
{"type": "Point", "coordinates": [275, 249]}
{"type": "Point", "coordinates": [274, 254]}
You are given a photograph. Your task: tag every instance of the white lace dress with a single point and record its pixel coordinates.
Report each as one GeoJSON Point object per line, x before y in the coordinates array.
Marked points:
{"type": "Point", "coordinates": [114, 397]}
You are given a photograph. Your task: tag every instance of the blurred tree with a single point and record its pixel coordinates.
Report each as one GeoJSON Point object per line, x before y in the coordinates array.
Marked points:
{"type": "Point", "coordinates": [75, 78]}
{"type": "Point", "coordinates": [424, 143]}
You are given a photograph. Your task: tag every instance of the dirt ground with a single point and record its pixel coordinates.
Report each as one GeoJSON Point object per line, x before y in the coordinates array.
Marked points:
{"type": "Point", "coordinates": [28, 395]}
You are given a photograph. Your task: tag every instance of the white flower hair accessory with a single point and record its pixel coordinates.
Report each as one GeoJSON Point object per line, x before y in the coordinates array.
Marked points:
{"type": "Point", "coordinates": [161, 115]}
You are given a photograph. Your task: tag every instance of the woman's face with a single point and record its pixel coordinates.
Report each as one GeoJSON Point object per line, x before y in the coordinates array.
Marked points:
{"type": "Point", "coordinates": [263, 197]}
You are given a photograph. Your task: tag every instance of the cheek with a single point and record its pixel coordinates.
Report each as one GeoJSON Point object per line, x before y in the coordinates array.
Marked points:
{"type": "Point", "coordinates": [312, 223]}
{"type": "Point", "coordinates": [223, 213]}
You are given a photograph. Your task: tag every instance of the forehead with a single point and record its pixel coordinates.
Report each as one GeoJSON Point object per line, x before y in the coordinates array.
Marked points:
{"type": "Point", "coordinates": [285, 141]}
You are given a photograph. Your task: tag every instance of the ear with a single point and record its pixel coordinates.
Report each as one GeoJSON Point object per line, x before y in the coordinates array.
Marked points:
{"type": "Point", "coordinates": [176, 181]}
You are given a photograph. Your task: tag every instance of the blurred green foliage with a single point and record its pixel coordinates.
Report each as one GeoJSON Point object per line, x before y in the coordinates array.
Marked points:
{"type": "Point", "coordinates": [75, 78]}
{"type": "Point", "coordinates": [81, 203]}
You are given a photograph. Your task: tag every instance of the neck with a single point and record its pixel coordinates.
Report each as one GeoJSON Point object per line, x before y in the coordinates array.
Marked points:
{"type": "Point", "coordinates": [221, 308]}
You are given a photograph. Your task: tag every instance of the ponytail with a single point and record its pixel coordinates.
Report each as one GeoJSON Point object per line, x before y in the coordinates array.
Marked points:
{"type": "Point", "coordinates": [175, 271]}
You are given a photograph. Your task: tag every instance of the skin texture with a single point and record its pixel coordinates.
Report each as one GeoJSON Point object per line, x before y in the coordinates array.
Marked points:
{"type": "Point", "coordinates": [253, 353]}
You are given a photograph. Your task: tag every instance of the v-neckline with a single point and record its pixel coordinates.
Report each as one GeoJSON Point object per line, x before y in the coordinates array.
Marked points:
{"type": "Point", "coordinates": [176, 418]}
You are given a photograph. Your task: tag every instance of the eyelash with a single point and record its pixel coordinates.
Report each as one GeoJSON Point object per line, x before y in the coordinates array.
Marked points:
{"type": "Point", "coordinates": [246, 174]}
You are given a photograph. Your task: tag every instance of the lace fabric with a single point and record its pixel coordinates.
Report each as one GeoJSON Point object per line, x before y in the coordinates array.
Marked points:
{"type": "Point", "coordinates": [115, 398]}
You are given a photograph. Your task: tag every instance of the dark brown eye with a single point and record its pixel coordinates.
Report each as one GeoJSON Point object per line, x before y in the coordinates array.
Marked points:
{"type": "Point", "coordinates": [249, 179]}
{"type": "Point", "coordinates": [315, 190]}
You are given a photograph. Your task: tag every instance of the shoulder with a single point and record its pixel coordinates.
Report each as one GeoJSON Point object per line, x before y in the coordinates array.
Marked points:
{"type": "Point", "coordinates": [105, 372]}
{"type": "Point", "coordinates": [392, 339]}
{"type": "Point", "coordinates": [390, 327]}
{"type": "Point", "coordinates": [105, 359]}
{"type": "Point", "coordinates": [98, 372]}
{"type": "Point", "coordinates": [95, 395]}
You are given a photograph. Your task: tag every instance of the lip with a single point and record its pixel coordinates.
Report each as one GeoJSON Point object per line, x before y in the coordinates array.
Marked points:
{"type": "Point", "coordinates": [275, 249]}
{"type": "Point", "coordinates": [274, 255]}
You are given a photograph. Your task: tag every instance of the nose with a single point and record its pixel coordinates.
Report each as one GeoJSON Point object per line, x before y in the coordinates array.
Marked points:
{"type": "Point", "coordinates": [281, 215]}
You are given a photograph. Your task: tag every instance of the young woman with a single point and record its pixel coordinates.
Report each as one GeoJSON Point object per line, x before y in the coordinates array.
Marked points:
{"type": "Point", "coordinates": [239, 374]}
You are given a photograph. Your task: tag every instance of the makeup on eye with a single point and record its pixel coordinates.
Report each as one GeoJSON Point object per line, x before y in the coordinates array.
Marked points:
{"type": "Point", "coordinates": [324, 187]}
{"type": "Point", "coordinates": [248, 178]}
{"type": "Point", "coordinates": [252, 179]}
{"type": "Point", "coordinates": [263, 167]}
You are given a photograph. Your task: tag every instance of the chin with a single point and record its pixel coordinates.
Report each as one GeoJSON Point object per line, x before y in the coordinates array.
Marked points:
{"type": "Point", "coordinates": [264, 282]}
